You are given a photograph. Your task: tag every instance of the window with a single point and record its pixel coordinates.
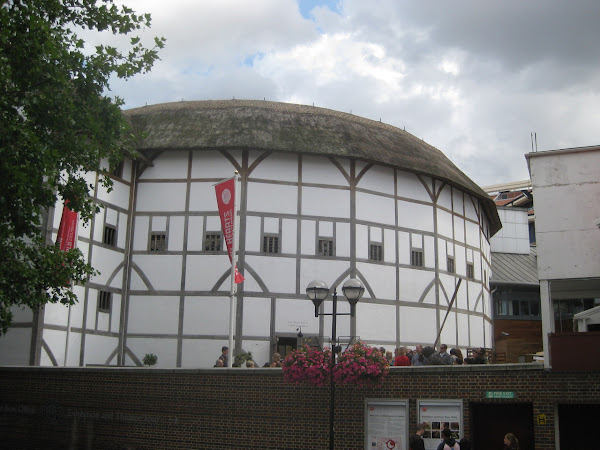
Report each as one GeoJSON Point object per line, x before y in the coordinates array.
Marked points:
{"type": "Point", "coordinates": [416, 258]}
{"type": "Point", "coordinates": [470, 271]}
{"type": "Point", "coordinates": [158, 242]}
{"type": "Point", "coordinates": [110, 235]}
{"type": "Point", "coordinates": [104, 301]}
{"type": "Point", "coordinates": [450, 264]}
{"type": "Point", "coordinates": [117, 169]}
{"type": "Point", "coordinates": [270, 244]}
{"type": "Point", "coordinates": [517, 304]}
{"type": "Point", "coordinates": [376, 252]}
{"type": "Point", "coordinates": [325, 247]}
{"type": "Point", "coordinates": [212, 242]}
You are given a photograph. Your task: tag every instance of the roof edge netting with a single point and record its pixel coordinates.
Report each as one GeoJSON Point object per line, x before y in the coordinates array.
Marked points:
{"type": "Point", "coordinates": [285, 127]}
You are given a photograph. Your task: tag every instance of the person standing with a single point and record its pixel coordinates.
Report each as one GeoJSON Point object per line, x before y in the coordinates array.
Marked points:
{"type": "Point", "coordinates": [401, 359]}
{"type": "Point", "coordinates": [415, 442]}
{"type": "Point", "coordinates": [417, 359]}
{"type": "Point", "coordinates": [449, 443]}
{"type": "Point", "coordinates": [446, 358]}
{"type": "Point", "coordinates": [511, 442]}
{"type": "Point", "coordinates": [224, 355]}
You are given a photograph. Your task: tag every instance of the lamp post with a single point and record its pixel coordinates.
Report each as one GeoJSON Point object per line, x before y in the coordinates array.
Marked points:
{"type": "Point", "coordinates": [317, 291]}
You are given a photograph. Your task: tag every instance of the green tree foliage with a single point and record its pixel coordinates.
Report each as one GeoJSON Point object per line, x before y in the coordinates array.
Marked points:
{"type": "Point", "coordinates": [56, 125]}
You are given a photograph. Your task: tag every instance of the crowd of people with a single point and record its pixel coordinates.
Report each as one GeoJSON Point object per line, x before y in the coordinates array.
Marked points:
{"type": "Point", "coordinates": [449, 442]}
{"type": "Point", "coordinates": [420, 356]}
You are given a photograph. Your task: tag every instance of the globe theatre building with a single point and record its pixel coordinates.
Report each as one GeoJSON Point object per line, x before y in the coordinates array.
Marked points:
{"type": "Point", "coordinates": [324, 195]}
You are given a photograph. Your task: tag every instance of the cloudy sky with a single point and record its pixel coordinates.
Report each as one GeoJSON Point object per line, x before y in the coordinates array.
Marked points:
{"type": "Point", "coordinates": [473, 78]}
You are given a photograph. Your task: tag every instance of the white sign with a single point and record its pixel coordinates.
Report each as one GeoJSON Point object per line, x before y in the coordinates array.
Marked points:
{"type": "Point", "coordinates": [438, 415]}
{"type": "Point", "coordinates": [386, 423]}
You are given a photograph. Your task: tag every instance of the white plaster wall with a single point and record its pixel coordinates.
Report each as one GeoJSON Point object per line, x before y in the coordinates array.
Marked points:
{"type": "Point", "coordinates": [140, 235]}
{"type": "Point", "coordinates": [74, 349]}
{"type": "Point", "coordinates": [409, 186]}
{"type": "Point", "coordinates": [153, 315]}
{"type": "Point", "coordinates": [203, 271]}
{"type": "Point", "coordinates": [415, 216]}
{"type": "Point", "coordinates": [56, 341]}
{"type": "Point", "coordinates": [382, 279]}
{"type": "Point", "coordinates": [445, 198]}
{"type": "Point", "coordinates": [375, 208]}
{"type": "Point", "coordinates": [322, 202]}
{"type": "Point", "coordinates": [362, 242]}
{"type": "Point", "coordinates": [316, 269]}
{"type": "Point", "coordinates": [459, 229]}
{"type": "Point", "coordinates": [379, 179]}
{"type": "Point", "coordinates": [470, 211]}
{"type": "Point", "coordinates": [342, 243]}
{"type": "Point", "coordinates": [279, 277]}
{"type": "Point", "coordinates": [164, 271]}
{"type": "Point", "coordinates": [119, 196]}
{"type": "Point", "coordinates": [202, 197]}
{"type": "Point", "coordinates": [376, 322]}
{"type": "Point", "coordinates": [175, 237]}
{"type": "Point", "coordinates": [257, 316]}
{"type": "Point", "coordinates": [290, 314]}
{"type": "Point", "coordinates": [277, 166]}
{"type": "Point", "coordinates": [289, 232]}
{"type": "Point", "coordinates": [213, 165]}
{"type": "Point", "coordinates": [106, 261]}
{"type": "Point", "coordinates": [308, 237]}
{"type": "Point", "coordinates": [261, 351]}
{"type": "Point", "coordinates": [389, 249]}
{"type": "Point", "coordinates": [319, 170]}
{"type": "Point", "coordinates": [413, 283]}
{"type": "Point", "coordinates": [566, 189]}
{"type": "Point", "coordinates": [472, 236]}
{"type": "Point", "coordinates": [161, 197]}
{"type": "Point", "coordinates": [201, 353]}
{"type": "Point", "coordinates": [404, 248]}
{"type": "Point", "coordinates": [195, 230]}
{"type": "Point", "coordinates": [513, 237]}
{"type": "Point", "coordinates": [206, 316]}
{"type": "Point", "coordinates": [172, 164]}
{"type": "Point", "coordinates": [15, 346]}
{"type": "Point", "coordinates": [417, 325]}
{"type": "Point", "coordinates": [444, 223]}
{"type": "Point", "coordinates": [272, 198]}
{"type": "Point", "coordinates": [164, 349]}
{"type": "Point", "coordinates": [21, 314]}
{"type": "Point", "coordinates": [55, 314]}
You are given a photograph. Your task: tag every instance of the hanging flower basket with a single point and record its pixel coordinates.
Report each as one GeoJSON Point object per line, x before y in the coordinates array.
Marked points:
{"type": "Point", "coordinates": [360, 365]}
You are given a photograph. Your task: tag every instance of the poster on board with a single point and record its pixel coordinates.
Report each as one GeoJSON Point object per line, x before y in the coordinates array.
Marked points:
{"type": "Point", "coordinates": [386, 424]}
{"type": "Point", "coordinates": [438, 415]}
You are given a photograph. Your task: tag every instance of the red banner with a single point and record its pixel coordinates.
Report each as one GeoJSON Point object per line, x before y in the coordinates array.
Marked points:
{"type": "Point", "coordinates": [225, 201]}
{"type": "Point", "coordinates": [67, 231]}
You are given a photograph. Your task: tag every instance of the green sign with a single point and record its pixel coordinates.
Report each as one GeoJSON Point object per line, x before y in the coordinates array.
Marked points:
{"type": "Point", "coordinates": [499, 394]}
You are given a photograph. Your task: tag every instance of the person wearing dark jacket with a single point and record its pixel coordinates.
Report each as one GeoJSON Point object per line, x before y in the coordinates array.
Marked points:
{"type": "Point", "coordinates": [415, 442]}
{"type": "Point", "coordinates": [449, 441]}
{"type": "Point", "coordinates": [511, 442]}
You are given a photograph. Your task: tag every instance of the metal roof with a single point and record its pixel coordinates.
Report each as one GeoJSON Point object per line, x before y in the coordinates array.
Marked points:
{"type": "Point", "coordinates": [514, 268]}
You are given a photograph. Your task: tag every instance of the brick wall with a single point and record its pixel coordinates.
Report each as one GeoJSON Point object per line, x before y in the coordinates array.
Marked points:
{"type": "Point", "coordinates": [146, 408]}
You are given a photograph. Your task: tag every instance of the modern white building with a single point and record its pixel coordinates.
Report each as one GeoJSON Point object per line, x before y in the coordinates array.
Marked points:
{"type": "Point", "coordinates": [324, 195]}
{"type": "Point", "coordinates": [566, 188]}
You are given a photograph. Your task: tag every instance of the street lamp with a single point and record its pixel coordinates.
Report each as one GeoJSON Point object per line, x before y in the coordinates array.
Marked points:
{"type": "Point", "coordinates": [317, 291]}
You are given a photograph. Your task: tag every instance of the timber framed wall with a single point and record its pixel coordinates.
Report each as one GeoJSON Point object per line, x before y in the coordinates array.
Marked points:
{"type": "Point", "coordinates": [140, 408]}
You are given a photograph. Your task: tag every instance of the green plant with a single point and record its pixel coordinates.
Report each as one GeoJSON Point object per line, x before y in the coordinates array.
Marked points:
{"type": "Point", "coordinates": [241, 358]}
{"type": "Point", "coordinates": [150, 359]}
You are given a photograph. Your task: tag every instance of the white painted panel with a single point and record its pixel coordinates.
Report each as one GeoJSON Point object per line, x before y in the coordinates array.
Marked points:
{"type": "Point", "coordinates": [111, 216]}
{"type": "Point", "coordinates": [74, 349]}
{"type": "Point", "coordinates": [460, 262]}
{"type": "Point", "coordinates": [323, 202]}
{"type": "Point", "coordinates": [429, 252]}
{"type": "Point", "coordinates": [206, 316]}
{"type": "Point", "coordinates": [153, 315]}
{"type": "Point", "coordinates": [106, 261]}
{"type": "Point", "coordinates": [102, 323]}
{"type": "Point", "coordinates": [161, 197]}
{"type": "Point", "coordinates": [175, 238]}
{"type": "Point", "coordinates": [415, 216]}
{"type": "Point", "coordinates": [213, 224]}
{"type": "Point", "coordinates": [409, 186]}
{"type": "Point", "coordinates": [382, 279]}
{"type": "Point", "coordinates": [378, 178]}
{"type": "Point", "coordinates": [463, 330]}
{"type": "Point", "coordinates": [327, 270]}
{"type": "Point", "coordinates": [279, 274]}
{"type": "Point", "coordinates": [444, 223]}
{"type": "Point", "coordinates": [288, 236]}
{"type": "Point", "coordinates": [195, 230]}
{"type": "Point", "coordinates": [15, 346]}
{"type": "Point", "coordinates": [308, 237]}
{"type": "Point", "coordinates": [322, 171]}
{"type": "Point", "coordinates": [445, 198]}
{"type": "Point", "coordinates": [342, 241]}
{"type": "Point", "coordinates": [277, 166]}
{"type": "Point", "coordinates": [290, 314]}
{"type": "Point", "coordinates": [122, 231]}
{"type": "Point", "coordinates": [257, 316]}
{"type": "Point", "coordinates": [376, 322]}
{"type": "Point", "coordinates": [140, 235]}
{"type": "Point", "coordinates": [325, 229]}
{"type": "Point", "coordinates": [212, 267]}
{"type": "Point", "coordinates": [343, 322]}
{"type": "Point", "coordinates": [271, 225]}
{"type": "Point", "coordinates": [477, 331]}
{"type": "Point", "coordinates": [403, 248]}
{"type": "Point", "coordinates": [119, 196]}
{"type": "Point", "coordinates": [253, 234]}
{"type": "Point", "coordinates": [163, 271]}
{"type": "Point", "coordinates": [201, 353]}
{"type": "Point", "coordinates": [55, 314]}
{"type": "Point", "coordinates": [202, 197]}
{"type": "Point", "coordinates": [56, 341]}
{"type": "Point", "coordinates": [417, 325]}
{"type": "Point", "coordinates": [442, 252]}
{"type": "Point", "coordinates": [83, 231]}
{"type": "Point", "coordinates": [115, 316]}
{"type": "Point", "coordinates": [470, 211]}
{"type": "Point", "coordinates": [448, 334]}
{"type": "Point", "coordinates": [172, 164]}
{"type": "Point", "coordinates": [159, 223]}
{"type": "Point", "coordinates": [362, 242]}
{"type": "Point", "coordinates": [375, 208]}
{"type": "Point", "coordinates": [265, 197]}
{"type": "Point", "coordinates": [21, 314]}
{"type": "Point", "coordinates": [98, 227]}
{"type": "Point", "coordinates": [261, 351]}
{"type": "Point", "coordinates": [472, 237]}
{"type": "Point", "coordinates": [164, 349]}
{"type": "Point", "coordinates": [389, 249]}
{"type": "Point", "coordinates": [413, 283]}
{"type": "Point", "coordinates": [459, 229]}
{"type": "Point", "coordinates": [212, 164]}
{"type": "Point", "coordinates": [376, 234]}
{"type": "Point", "coordinates": [92, 307]}
{"type": "Point", "coordinates": [457, 198]}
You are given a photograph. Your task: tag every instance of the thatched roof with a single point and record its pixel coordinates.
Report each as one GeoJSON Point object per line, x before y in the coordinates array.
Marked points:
{"type": "Point", "coordinates": [284, 127]}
